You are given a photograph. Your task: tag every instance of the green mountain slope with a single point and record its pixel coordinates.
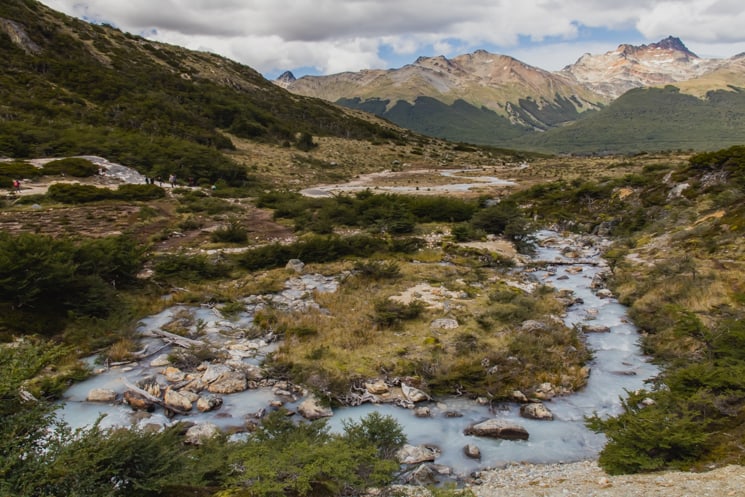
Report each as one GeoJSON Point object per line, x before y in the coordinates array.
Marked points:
{"type": "Point", "coordinates": [459, 121]}
{"type": "Point", "coordinates": [652, 119]}
{"type": "Point", "coordinates": [69, 87]}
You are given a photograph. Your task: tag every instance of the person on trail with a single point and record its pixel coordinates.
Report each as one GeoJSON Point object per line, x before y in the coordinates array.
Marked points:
{"type": "Point", "coordinates": [16, 185]}
{"type": "Point", "coordinates": [172, 180]}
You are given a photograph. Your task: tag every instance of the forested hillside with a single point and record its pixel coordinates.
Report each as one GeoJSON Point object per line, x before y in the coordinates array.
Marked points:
{"type": "Point", "coordinates": [68, 88]}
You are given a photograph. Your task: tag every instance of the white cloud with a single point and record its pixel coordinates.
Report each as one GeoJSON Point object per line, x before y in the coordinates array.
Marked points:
{"type": "Point", "coordinates": [339, 35]}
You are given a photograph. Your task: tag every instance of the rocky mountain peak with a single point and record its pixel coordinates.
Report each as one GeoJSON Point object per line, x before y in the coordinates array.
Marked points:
{"type": "Point", "coordinates": [285, 79]}
{"type": "Point", "coordinates": [632, 66]}
{"type": "Point", "coordinates": [673, 43]}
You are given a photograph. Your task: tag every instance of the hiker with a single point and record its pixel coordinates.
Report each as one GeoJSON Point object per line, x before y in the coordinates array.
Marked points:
{"type": "Point", "coordinates": [16, 185]}
{"type": "Point", "coordinates": [172, 180]}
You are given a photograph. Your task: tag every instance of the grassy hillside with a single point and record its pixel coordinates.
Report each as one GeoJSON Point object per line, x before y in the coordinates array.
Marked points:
{"type": "Point", "coordinates": [68, 87]}
{"type": "Point", "coordinates": [651, 119]}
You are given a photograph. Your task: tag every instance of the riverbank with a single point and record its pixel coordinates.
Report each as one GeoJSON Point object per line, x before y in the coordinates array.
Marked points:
{"type": "Point", "coordinates": [586, 479]}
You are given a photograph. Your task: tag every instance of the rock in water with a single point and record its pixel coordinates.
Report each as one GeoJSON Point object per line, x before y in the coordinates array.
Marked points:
{"type": "Point", "coordinates": [172, 398]}
{"type": "Point", "coordinates": [497, 428]}
{"type": "Point", "coordinates": [138, 402]}
{"type": "Point", "coordinates": [416, 454]}
{"type": "Point", "coordinates": [231, 382]}
{"type": "Point", "coordinates": [536, 410]}
{"type": "Point", "coordinates": [209, 403]}
{"type": "Point", "coordinates": [312, 409]}
{"type": "Point", "coordinates": [101, 395]}
{"type": "Point", "coordinates": [472, 451]}
{"type": "Point", "coordinates": [413, 394]}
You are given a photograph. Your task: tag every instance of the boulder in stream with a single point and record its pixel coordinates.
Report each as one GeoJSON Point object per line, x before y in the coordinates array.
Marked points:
{"type": "Point", "coordinates": [416, 454]}
{"type": "Point", "coordinates": [598, 328]}
{"type": "Point", "coordinates": [209, 403]}
{"type": "Point", "coordinates": [229, 382]}
{"type": "Point", "coordinates": [497, 428]}
{"type": "Point", "coordinates": [413, 394]}
{"type": "Point", "coordinates": [311, 409]}
{"type": "Point", "coordinates": [472, 451]}
{"type": "Point", "coordinates": [173, 398]}
{"type": "Point", "coordinates": [101, 395]}
{"type": "Point", "coordinates": [138, 402]}
{"type": "Point", "coordinates": [536, 410]}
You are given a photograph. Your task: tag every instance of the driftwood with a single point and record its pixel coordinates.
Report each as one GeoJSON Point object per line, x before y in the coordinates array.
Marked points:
{"type": "Point", "coordinates": [178, 339]}
{"type": "Point", "coordinates": [151, 398]}
{"type": "Point", "coordinates": [575, 262]}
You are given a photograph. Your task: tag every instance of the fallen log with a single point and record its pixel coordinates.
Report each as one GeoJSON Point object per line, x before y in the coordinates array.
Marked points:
{"type": "Point", "coordinates": [177, 339]}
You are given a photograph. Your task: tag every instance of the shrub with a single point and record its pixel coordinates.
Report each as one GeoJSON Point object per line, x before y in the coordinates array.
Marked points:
{"type": "Point", "coordinates": [139, 192]}
{"type": "Point", "coordinates": [668, 434]}
{"type": "Point", "coordinates": [46, 281]}
{"type": "Point", "coordinates": [390, 312]}
{"type": "Point", "coordinates": [17, 170]}
{"type": "Point", "coordinates": [73, 166]}
{"type": "Point", "coordinates": [312, 249]}
{"type": "Point", "coordinates": [69, 193]}
{"type": "Point", "coordinates": [383, 432]}
{"type": "Point", "coordinates": [232, 232]}
{"type": "Point", "coordinates": [74, 193]}
{"type": "Point", "coordinates": [189, 267]}
{"type": "Point", "coordinates": [378, 270]}
{"type": "Point", "coordinates": [503, 218]}
{"type": "Point", "coordinates": [284, 458]}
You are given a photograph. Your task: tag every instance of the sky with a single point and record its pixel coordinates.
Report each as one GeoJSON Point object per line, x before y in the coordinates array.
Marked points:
{"type": "Point", "coordinates": [332, 36]}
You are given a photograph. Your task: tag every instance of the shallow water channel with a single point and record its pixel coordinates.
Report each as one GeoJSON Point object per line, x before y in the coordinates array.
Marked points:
{"type": "Point", "coordinates": [617, 366]}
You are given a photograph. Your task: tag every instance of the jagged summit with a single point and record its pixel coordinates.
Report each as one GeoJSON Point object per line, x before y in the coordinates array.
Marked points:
{"type": "Point", "coordinates": [672, 43]}
{"type": "Point", "coordinates": [285, 79]}
{"type": "Point", "coordinates": [631, 66]}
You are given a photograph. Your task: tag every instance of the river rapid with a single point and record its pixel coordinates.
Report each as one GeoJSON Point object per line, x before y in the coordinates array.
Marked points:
{"type": "Point", "coordinates": [618, 365]}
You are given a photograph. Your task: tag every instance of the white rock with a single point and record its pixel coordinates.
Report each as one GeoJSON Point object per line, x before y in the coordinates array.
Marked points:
{"type": "Point", "coordinates": [311, 408]}
{"type": "Point", "coordinates": [200, 432]}
{"type": "Point", "coordinates": [160, 361]}
{"type": "Point", "coordinates": [101, 395]}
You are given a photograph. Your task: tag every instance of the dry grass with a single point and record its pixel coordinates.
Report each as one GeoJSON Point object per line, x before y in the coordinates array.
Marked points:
{"type": "Point", "coordinates": [343, 343]}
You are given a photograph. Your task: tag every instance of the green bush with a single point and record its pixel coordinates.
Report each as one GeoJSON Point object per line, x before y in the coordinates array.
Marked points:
{"type": "Point", "coordinates": [378, 270]}
{"type": "Point", "coordinates": [232, 232]}
{"type": "Point", "coordinates": [46, 281]}
{"type": "Point", "coordinates": [74, 193]}
{"type": "Point", "coordinates": [390, 313]}
{"type": "Point", "coordinates": [189, 268]}
{"type": "Point", "coordinates": [73, 166]}
{"type": "Point", "coordinates": [17, 170]}
{"type": "Point", "coordinates": [667, 434]}
{"type": "Point", "coordinates": [383, 432]}
{"type": "Point", "coordinates": [286, 459]}
{"type": "Point", "coordinates": [138, 192]}
{"type": "Point", "coordinates": [504, 218]}
{"type": "Point", "coordinates": [313, 249]}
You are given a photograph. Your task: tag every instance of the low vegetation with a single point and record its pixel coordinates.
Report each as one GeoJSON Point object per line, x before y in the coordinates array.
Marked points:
{"type": "Point", "coordinates": [677, 263]}
{"type": "Point", "coordinates": [43, 457]}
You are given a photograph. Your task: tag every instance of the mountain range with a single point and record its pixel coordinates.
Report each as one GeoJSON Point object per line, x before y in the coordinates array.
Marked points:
{"type": "Point", "coordinates": [655, 96]}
